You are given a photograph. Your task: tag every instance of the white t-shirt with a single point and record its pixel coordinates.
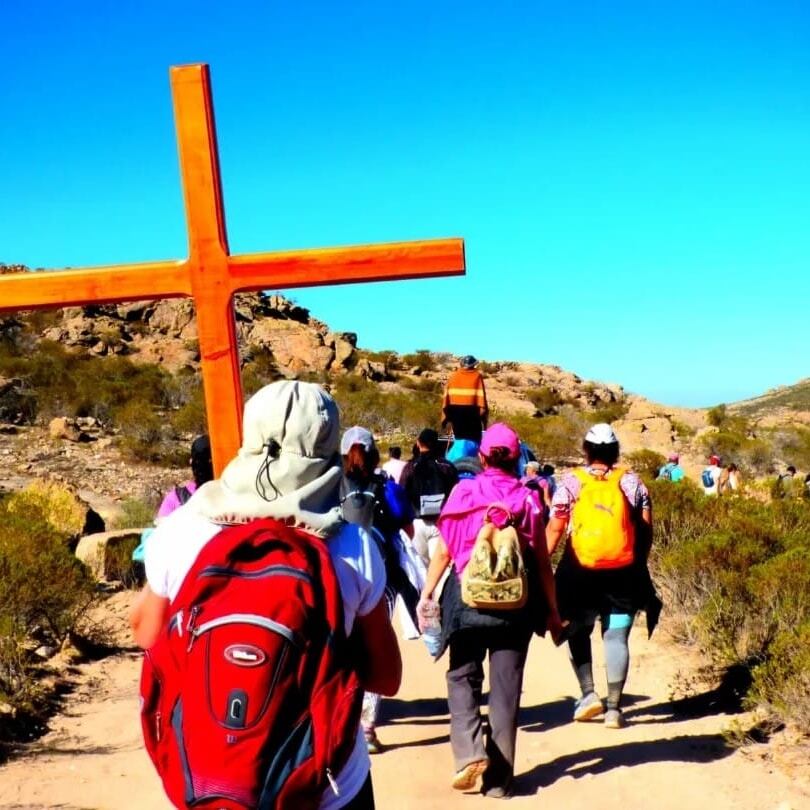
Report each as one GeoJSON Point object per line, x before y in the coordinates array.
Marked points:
{"type": "Point", "coordinates": [715, 472]}
{"type": "Point", "coordinates": [174, 545]}
{"type": "Point", "coordinates": [394, 468]}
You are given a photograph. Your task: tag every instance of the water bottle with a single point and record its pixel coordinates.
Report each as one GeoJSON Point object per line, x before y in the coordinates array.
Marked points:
{"type": "Point", "coordinates": [430, 624]}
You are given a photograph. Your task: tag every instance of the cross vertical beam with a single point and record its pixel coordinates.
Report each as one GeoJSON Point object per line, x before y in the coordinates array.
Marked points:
{"type": "Point", "coordinates": [208, 253]}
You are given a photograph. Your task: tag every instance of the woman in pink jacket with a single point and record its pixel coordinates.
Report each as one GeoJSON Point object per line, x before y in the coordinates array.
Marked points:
{"type": "Point", "coordinates": [504, 635]}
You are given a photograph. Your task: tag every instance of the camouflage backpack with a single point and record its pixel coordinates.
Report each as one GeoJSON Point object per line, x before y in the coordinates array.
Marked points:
{"type": "Point", "coordinates": [495, 576]}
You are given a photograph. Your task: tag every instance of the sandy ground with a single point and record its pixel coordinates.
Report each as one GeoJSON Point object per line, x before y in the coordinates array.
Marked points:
{"type": "Point", "coordinates": [93, 758]}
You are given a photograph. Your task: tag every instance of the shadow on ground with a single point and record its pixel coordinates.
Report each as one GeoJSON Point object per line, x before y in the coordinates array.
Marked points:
{"type": "Point", "coordinates": [701, 748]}
{"type": "Point", "coordinates": [726, 698]}
{"type": "Point", "coordinates": [411, 711]}
{"type": "Point", "coordinates": [546, 716]}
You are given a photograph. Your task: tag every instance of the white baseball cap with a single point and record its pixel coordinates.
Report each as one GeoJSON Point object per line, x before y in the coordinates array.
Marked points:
{"type": "Point", "coordinates": [356, 435]}
{"type": "Point", "coordinates": [601, 434]}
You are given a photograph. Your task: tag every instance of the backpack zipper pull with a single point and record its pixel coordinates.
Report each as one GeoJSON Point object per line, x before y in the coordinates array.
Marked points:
{"type": "Point", "coordinates": [192, 619]}
{"type": "Point", "coordinates": [332, 783]}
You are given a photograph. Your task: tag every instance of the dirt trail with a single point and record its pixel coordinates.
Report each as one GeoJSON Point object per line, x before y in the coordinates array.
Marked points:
{"type": "Point", "coordinates": [93, 756]}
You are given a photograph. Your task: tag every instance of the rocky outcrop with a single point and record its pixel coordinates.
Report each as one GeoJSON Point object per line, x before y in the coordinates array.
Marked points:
{"type": "Point", "coordinates": [165, 332]}
{"type": "Point", "coordinates": [646, 425]}
{"type": "Point", "coordinates": [17, 405]}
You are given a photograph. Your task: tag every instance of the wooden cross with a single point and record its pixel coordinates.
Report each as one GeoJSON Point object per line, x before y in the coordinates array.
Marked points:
{"type": "Point", "coordinates": [211, 276]}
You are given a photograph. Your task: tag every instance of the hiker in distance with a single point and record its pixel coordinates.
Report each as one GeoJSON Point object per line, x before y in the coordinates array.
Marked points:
{"type": "Point", "coordinates": [493, 500]}
{"type": "Point", "coordinates": [375, 501]}
{"type": "Point", "coordinates": [241, 677]}
{"type": "Point", "coordinates": [464, 406]}
{"type": "Point", "coordinates": [672, 470]}
{"type": "Point", "coordinates": [603, 572]}
{"type": "Point", "coordinates": [202, 471]}
{"type": "Point", "coordinates": [428, 480]}
{"type": "Point", "coordinates": [710, 477]}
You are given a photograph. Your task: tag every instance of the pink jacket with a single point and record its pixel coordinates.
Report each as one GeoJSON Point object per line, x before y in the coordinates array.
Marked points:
{"type": "Point", "coordinates": [463, 514]}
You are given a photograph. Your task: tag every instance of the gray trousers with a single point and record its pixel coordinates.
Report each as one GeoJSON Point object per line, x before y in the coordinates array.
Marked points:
{"type": "Point", "coordinates": [507, 657]}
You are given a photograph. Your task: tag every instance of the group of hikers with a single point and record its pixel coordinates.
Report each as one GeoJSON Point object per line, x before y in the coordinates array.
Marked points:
{"type": "Point", "coordinates": [266, 613]}
{"type": "Point", "coordinates": [715, 478]}
{"type": "Point", "coordinates": [720, 479]}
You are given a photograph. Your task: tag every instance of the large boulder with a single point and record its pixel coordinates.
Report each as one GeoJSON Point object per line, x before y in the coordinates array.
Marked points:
{"type": "Point", "coordinates": [646, 425]}
{"type": "Point", "coordinates": [61, 427]}
{"type": "Point", "coordinates": [175, 319]}
{"type": "Point", "coordinates": [296, 349]}
{"type": "Point", "coordinates": [109, 554]}
{"type": "Point", "coordinates": [344, 345]}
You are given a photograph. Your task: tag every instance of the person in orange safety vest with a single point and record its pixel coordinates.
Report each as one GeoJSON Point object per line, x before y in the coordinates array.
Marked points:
{"type": "Point", "coordinates": [465, 401]}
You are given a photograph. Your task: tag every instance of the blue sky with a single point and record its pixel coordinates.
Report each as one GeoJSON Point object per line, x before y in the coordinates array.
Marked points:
{"type": "Point", "coordinates": [632, 180]}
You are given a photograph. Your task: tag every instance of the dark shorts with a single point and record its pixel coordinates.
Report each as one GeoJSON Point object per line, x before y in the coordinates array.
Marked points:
{"type": "Point", "coordinates": [584, 593]}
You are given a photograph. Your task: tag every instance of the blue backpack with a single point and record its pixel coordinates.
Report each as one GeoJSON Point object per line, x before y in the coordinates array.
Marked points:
{"type": "Point", "coordinates": [665, 473]}
{"type": "Point", "coordinates": [707, 478]}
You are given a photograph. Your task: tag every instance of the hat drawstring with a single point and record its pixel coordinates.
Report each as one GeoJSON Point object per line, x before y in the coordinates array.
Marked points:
{"type": "Point", "coordinates": [273, 450]}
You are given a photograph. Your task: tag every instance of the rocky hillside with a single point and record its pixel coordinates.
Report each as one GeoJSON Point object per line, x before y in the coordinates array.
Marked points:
{"type": "Point", "coordinates": [787, 404]}
{"type": "Point", "coordinates": [293, 343]}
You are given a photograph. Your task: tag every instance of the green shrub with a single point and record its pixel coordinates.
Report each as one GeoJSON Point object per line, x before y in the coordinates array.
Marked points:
{"type": "Point", "coordinates": [645, 462]}
{"type": "Point", "coordinates": [556, 438]}
{"type": "Point", "coordinates": [143, 436]}
{"type": "Point", "coordinates": [716, 416]}
{"type": "Point", "coordinates": [544, 399]}
{"type": "Point", "coordinates": [118, 565]}
{"type": "Point", "coordinates": [191, 417]}
{"type": "Point", "coordinates": [610, 412]}
{"type": "Point", "coordinates": [782, 681]}
{"type": "Point", "coordinates": [423, 384]}
{"type": "Point", "coordinates": [387, 357]}
{"type": "Point", "coordinates": [682, 430]}
{"type": "Point", "coordinates": [737, 573]}
{"type": "Point", "coordinates": [403, 413]}
{"type": "Point", "coordinates": [72, 384]}
{"type": "Point", "coordinates": [59, 507]}
{"type": "Point", "coordinates": [43, 587]}
{"type": "Point", "coordinates": [136, 513]}
{"type": "Point", "coordinates": [421, 359]}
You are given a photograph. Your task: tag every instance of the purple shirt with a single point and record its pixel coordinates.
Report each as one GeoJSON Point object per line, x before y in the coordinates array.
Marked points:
{"type": "Point", "coordinates": [463, 514]}
{"type": "Point", "coordinates": [171, 501]}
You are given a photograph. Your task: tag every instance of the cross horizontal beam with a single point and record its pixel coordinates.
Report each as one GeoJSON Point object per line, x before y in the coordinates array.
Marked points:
{"type": "Point", "coordinates": [170, 279]}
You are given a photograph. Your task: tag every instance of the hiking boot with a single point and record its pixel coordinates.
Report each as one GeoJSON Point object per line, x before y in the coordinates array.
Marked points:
{"type": "Point", "coordinates": [373, 743]}
{"type": "Point", "coordinates": [614, 719]}
{"type": "Point", "coordinates": [467, 777]}
{"type": "Point", "coordinates": [588, 707]}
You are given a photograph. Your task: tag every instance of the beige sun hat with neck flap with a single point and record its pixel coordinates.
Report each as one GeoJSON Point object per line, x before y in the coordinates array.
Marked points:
{"type": "Point", "coordinates": [288, 466]}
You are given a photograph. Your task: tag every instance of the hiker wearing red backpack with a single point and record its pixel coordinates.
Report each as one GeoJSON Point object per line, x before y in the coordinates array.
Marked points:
{"type": "Point", "coordinates": [495, 494]}
{"type": "Point", "coordinates": [263, 620]}
{"type": "Point", "coordinates": [603, 572]}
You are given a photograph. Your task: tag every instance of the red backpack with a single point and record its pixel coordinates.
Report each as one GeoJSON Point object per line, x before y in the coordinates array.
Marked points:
{"type": "Point", "coordinates": [249, 698]}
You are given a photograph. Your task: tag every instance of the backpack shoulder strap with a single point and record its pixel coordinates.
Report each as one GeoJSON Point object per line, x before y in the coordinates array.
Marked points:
{"type": "Point", "coordinates": [182, 493]}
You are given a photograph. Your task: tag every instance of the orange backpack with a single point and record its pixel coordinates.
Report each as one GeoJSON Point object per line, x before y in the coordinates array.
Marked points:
{"type": "Point", "coordinates": [602, 531]}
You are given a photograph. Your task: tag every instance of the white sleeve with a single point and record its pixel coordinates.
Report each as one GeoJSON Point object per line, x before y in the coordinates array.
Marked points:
{"type": "Point", "coordinates": [360, 570]}
{"type": "Point", "coordinates": [156, 562]}
{"type": "Point", "coordinates": [173, 547]}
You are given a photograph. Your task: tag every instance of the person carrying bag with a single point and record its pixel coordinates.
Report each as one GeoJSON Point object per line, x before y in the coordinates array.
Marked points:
{"type": "Point", "coordinates": [499, 591]}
